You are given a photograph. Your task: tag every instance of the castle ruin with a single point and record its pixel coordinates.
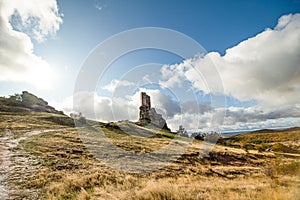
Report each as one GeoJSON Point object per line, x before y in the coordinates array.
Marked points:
{"type": "Point", "coordinates": [145, 108]}
{"type": "Point", "coordinates": [148, 115]}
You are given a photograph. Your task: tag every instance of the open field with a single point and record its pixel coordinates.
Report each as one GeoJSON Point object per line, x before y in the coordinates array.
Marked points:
{"type": "Point", "coordinates": [57, 165]}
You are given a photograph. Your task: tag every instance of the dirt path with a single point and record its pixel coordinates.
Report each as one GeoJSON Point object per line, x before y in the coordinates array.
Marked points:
{"type": "Point", "coordinates": [4, 165]}
{"type": "Point", "coordinates": [13, 163]}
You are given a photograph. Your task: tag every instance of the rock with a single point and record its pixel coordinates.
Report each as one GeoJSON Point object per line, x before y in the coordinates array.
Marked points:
{"type": "Point", "coordinates": [149, 116]}
{"type": "Point", "coordinates": [34, 103]}
{"type": "Point", "coordinates": [26, 102]}
{"type": "Point", "coordinates": [157, 119]}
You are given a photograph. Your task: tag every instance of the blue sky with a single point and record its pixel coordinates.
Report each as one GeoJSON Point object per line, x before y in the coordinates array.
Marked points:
{"type": "Point", "coordinates": [59, 41]}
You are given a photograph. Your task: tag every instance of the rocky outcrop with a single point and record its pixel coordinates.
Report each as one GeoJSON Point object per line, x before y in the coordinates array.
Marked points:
{"type": "Point", "coordinates": [37, 104]}
{"type": "Point", "coordinates": [26, 102]}
{"type": "Point", "coordinates": [157, 119]}
{"type": "Point", "coordinates": [149, 116]}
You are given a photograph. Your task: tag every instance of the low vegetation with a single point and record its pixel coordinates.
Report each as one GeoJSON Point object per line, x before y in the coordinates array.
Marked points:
{"type": "Point", "coordinates": [21, 123]}
{"type": "Point", "coordinates": [284, 141]}
{"type": "Point", "coordinates": [57, 164]}
{"type": "Point", "coordinates": [66, 169]}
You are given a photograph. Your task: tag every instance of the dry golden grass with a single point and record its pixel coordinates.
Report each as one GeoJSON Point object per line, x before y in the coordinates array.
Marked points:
{"type": "Point", "coordinates": [68, 175]}
{"type": "Point", "coordinates": [67, 170]}
{"type": "Point", "coordinates": [213, 188]}
{"type": "Point", "coordinates": [19, 123]}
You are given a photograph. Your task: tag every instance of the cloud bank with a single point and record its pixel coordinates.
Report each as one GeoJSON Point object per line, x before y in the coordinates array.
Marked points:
{"type": "Point", "coordinates": [21, 21]}
{"type": "Point", "coordinates": [264, 68]}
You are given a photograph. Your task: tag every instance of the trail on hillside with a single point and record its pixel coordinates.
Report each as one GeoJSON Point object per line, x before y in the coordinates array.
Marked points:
{"type": "Point", "coordinates": [14, 164]}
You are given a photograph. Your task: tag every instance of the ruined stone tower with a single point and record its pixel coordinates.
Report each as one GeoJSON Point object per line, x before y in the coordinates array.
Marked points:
{"type": "Point", "coordinates": [148, 115]}
{"type": "Point", "coordinates": [145, 108]}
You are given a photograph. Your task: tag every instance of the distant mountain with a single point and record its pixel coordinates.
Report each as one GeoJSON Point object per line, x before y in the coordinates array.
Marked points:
{"type": "Point", "coordinates": [277, 130]}
{"type": "Point", "coordinates": [26, 102]}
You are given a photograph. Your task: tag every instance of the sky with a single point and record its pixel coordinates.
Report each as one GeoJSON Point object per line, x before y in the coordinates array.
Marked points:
{"type": "Point", "coordinates": [246, 75]}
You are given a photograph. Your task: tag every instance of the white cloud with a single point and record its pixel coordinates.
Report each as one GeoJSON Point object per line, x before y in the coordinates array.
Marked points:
{"type": "Point", "coordinates": [98, 7]}
{"type": "Point", "coordinates": [100, 108]}
{"type": "Point", "coordinates": [189, 114]}
{"type": "Point", "coordinates": [118, 108]}
{"type": "Point", "coordinates": [269, 123]}
{"type": "Point", "coordinates": [39, 18]}
{"type": "Point", "coordinates": [237, 118]}
{"type": "Point", "coordinates": [94, 106]}
{"type": "Point", "coordinates": [114, 84]}
{"type": "Point", "coordinates": [20, 20]}
{"type": "Point", "coordinates": [264, 68]}
{"type": "Point", "coordinates": [174, 75]}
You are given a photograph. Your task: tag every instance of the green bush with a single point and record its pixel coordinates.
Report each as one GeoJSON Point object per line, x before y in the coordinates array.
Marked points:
{"type": "Point", "coordinates": [292, 168]}
{"type": "Point", "coordinates": [278, 147]}
{"type": "Point", "coordinates": [61, 120]}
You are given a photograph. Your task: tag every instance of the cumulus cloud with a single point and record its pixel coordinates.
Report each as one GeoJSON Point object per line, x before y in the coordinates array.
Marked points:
{"type": "Point", "coordinates": [118, 108]}
{"type": "Point", "coordinates": [269, 123]}
{"type": "Point", "coordinates": [121, 108]}
{"type": "Point", "coordinates": [264, 68]}
{"type": "Point", "coordinates": [172, 75]}
{"type": "Point", "coordinates": [237, 118]}
{"type": "Point", "coordinates": [191, 115]}
{"type": "Point", "coordinates": [19, 22]}
{"type": "Point", "coordinates": [115, 83]}
{"type": "Point", "coordinates": [258, 114]}
{"type": "Point", "coordinates": [103, 109]}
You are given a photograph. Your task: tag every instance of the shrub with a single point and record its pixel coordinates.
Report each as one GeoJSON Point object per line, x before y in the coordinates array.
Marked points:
{"type": "Point", "coordinates": [292, 168]}
{"type": "Point", "coordinates": [283, 148]}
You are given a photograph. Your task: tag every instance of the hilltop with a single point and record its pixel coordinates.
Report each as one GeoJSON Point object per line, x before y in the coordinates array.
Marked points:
{"type": "Point", "coordinates": [49, 159]}
{"type": "Point", "coordinates": [26, 102]}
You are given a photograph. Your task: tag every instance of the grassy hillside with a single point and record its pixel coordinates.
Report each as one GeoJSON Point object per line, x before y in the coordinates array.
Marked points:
{"type": "Point", "coordinates": [23, 122]}
{"type": "Point", "coordinates": [59, 166]}
{"type": "Point", "coordinates": [56, 164]}
{"type": "Point", "coordinates": [285, 141]}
